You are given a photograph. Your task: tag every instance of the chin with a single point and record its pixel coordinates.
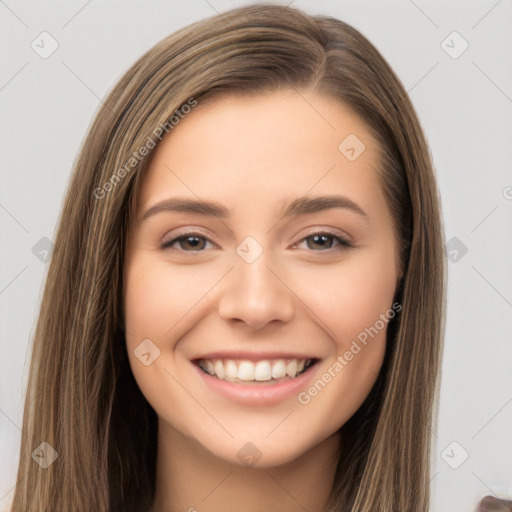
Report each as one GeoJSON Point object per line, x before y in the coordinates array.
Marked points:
{"type": "Point", "coordinates": [261, 452]}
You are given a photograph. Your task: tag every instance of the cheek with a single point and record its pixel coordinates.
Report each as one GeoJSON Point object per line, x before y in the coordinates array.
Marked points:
{"type": "Point", "coordinates": [355, 305]}
{"type": "Point", "coordinates": [354, 297]}
{"type": "Point", "coordinates": [157, 298]}
{"type": "Point", "coordinates": [158, 305]}
{"type": "Point", "coordinates": [357, 313]}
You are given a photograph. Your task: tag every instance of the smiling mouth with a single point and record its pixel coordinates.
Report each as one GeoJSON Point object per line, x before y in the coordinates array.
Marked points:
{"type": "Point", "coordinates": [257, 372]}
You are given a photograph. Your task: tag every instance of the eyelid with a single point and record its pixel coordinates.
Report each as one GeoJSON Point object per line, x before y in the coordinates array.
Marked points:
{"type": "Point", "coordinates": [335, 232]}
{"type": "Point", "coordinates": [167, 242]}
{"type": "Point", "coordinates": [344, 242]}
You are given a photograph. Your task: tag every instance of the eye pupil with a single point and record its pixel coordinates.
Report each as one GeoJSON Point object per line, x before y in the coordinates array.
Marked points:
{"type": "Point", "coordinates": [192, 240]}
{"type": "Point", "coordinates": [320, 238]}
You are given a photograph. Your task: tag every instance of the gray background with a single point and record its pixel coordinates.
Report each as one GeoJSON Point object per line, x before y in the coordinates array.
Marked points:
{"type": "Point", "coordinates": [464, 105]}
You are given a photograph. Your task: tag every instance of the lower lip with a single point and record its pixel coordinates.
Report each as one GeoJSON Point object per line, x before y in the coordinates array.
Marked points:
{"type": "Point", "coordinates": [258, 394]}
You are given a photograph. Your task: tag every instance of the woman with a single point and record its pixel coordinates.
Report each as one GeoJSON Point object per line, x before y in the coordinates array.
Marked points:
{"type": "Point", "coordinates": [265, 368]}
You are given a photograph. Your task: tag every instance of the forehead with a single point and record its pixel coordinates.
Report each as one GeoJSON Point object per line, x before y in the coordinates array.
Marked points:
{"type": "Point", "coordinates": [280, 144]}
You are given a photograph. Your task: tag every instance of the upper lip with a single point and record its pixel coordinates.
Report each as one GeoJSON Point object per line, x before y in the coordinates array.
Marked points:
{"type": "Point", "coordinates": [254, 356]}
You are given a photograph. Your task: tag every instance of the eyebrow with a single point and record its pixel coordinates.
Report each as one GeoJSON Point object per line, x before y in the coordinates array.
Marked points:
{"type": "Point", "coordinates": [299, 206]}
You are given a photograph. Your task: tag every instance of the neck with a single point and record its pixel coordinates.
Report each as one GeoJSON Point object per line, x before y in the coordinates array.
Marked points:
{"type": "Point", "coordinates": [190, 478]}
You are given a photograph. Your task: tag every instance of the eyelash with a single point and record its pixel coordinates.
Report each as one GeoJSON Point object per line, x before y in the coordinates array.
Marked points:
{"type": "Point", "coordinates": [343, 243]}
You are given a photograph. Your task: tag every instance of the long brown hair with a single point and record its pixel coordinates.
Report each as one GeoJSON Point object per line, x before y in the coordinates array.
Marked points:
{"type": "Point", "coordinates": [82, 398]}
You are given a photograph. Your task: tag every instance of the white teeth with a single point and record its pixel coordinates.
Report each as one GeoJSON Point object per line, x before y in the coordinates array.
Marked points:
{"type": "Point", "coordinates": [231, 369]}
{"type": "Point", "coordinates": [218, 368]}
{"type": "Point", "coordinates": [279, 369]}
{"type": "Point", "coordinates": [261, 371]}
{"type": "Point", "coordinates": [291, 368]}
{"type": "Point", "coordinates": [245, 371]}
{"type": "Point", "coordinates": [209, 367]}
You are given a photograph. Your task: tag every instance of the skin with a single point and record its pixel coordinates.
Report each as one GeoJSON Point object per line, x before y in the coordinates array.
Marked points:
{"type": "Point", "coordinates": [250, 153]}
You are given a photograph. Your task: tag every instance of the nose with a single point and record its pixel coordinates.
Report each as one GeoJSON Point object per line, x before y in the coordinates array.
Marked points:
{"type": "Point", "coordinates": [256, 294]}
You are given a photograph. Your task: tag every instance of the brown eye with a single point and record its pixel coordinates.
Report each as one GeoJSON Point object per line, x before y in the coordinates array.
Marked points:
{"type": "Point", "coordinates": [188, 242]}
{"type": "Point", "coordinates": [326, 241]}
{"type": "Point", "coordinates": [317, 242]}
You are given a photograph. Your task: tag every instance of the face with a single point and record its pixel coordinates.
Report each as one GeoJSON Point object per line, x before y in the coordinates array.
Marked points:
{"type": "Point", "coordinates": [262, 321]}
